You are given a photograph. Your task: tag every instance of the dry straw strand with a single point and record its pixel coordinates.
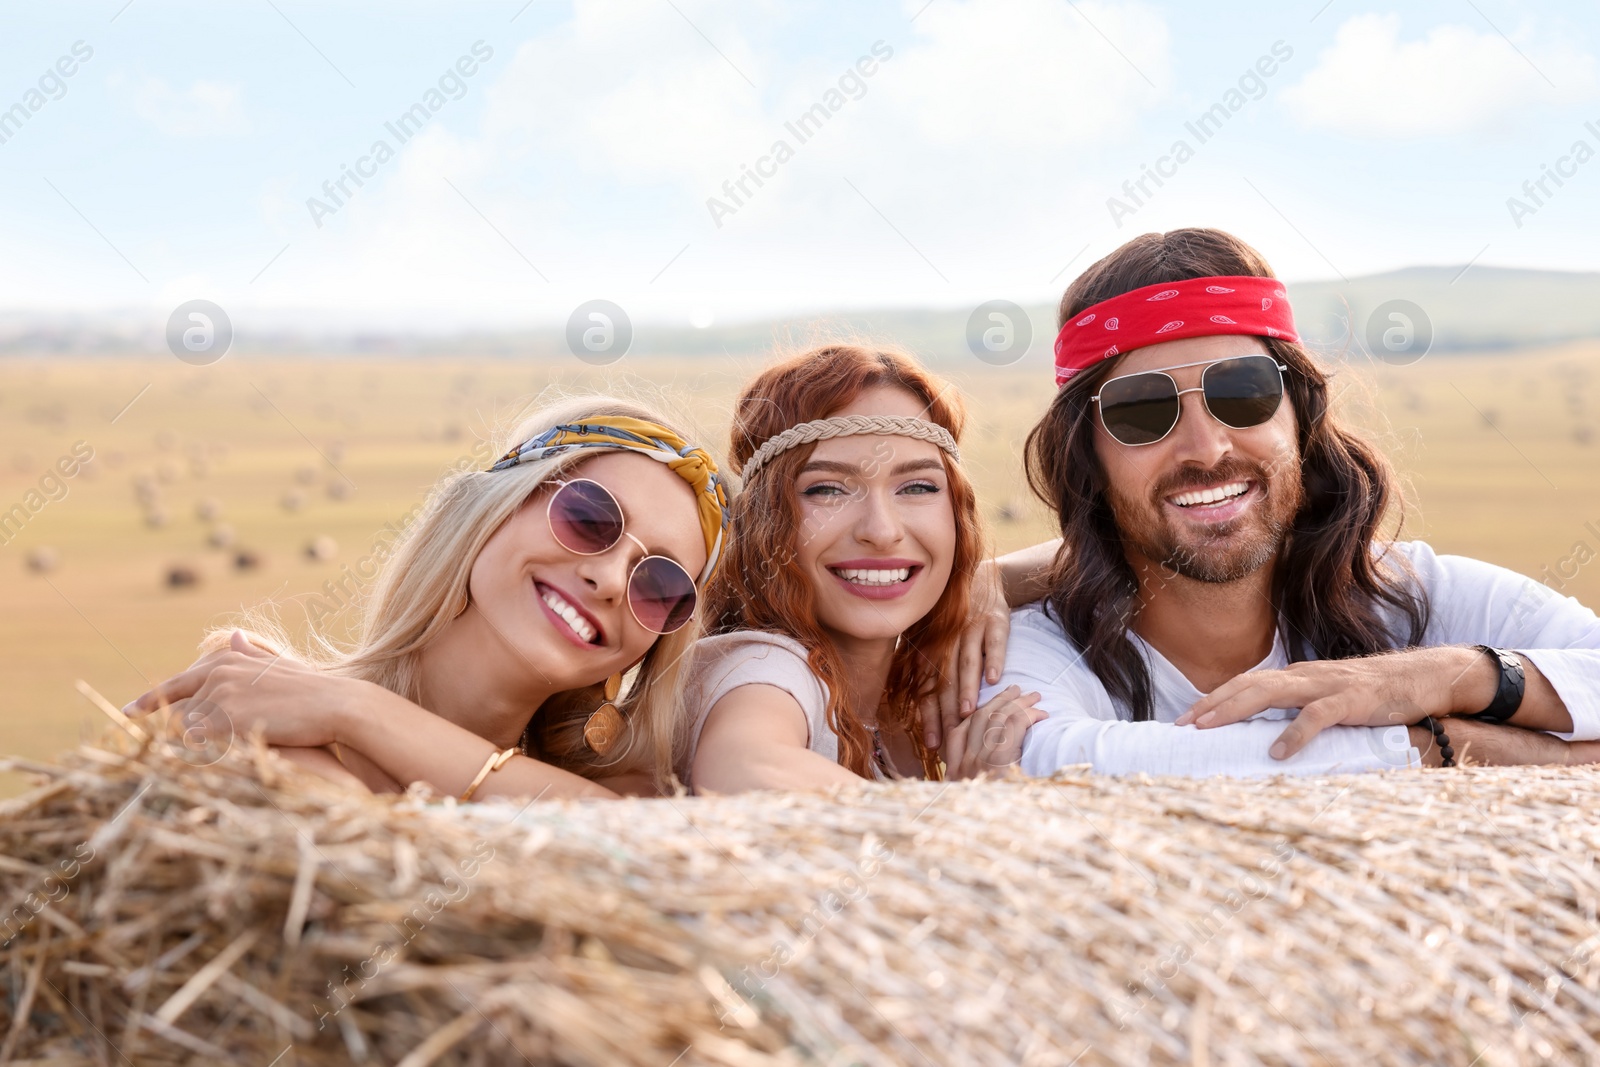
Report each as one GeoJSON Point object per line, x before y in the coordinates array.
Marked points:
{"type": "Point", "coordinates": [231, 912]}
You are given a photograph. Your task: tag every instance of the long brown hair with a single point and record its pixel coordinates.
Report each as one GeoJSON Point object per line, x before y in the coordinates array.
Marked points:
{"type": "Point", "coordinates": [761, 587]}
{"type": "Point", "coordinates": [1331, 591]}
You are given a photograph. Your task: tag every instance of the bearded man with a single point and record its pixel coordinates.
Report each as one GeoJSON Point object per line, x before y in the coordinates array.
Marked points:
{"type": "Point", "coordinates": [1224, 599]}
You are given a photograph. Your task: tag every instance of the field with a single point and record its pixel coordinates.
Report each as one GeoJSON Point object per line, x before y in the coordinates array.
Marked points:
{"type": "Point", "coordinates": [266, 457]}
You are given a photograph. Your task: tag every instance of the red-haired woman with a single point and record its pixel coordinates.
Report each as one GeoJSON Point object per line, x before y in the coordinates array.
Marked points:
{"type": "Point", "coordinates": [844, 594]}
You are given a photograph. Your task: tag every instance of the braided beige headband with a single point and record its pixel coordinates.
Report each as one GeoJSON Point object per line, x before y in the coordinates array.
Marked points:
{"type": "Point", "coordinates": [849, 426]}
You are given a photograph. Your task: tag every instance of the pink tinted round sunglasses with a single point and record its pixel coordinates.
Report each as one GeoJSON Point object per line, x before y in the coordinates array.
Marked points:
{"type": "Point", "coordinates": [586, 519]}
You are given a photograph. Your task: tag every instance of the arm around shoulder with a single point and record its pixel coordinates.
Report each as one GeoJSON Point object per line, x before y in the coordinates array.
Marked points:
{"type": "Point", "coordinates": [1025, 573]}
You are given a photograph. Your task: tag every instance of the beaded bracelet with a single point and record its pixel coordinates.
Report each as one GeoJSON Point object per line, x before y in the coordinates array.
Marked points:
{"type": "Point", "coordinates": [1447, 755]}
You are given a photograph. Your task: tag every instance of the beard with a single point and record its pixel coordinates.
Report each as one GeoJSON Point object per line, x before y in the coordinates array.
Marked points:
{"type": "Point", "coordinates": [1226, 553]}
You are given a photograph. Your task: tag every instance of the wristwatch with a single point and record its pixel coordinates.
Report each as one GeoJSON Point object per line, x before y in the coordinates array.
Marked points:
{"type": "Point", "coordinates": [1508, 694]}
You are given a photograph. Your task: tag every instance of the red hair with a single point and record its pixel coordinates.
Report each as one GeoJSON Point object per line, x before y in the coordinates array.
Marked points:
{"type": "Point", "coordinates": [759, 585]}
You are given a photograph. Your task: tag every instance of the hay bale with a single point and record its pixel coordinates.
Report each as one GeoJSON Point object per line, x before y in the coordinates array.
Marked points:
{"type": "Point", "coordinates": [43, 559]}
{"type": "Point", "coordinates": [182, 576]}
{"type": "Point", "coordinates": [240, 911]}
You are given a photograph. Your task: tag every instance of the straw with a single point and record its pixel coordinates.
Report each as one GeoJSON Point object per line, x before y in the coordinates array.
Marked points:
{"type": "Point", "coordinates": [247, 912]}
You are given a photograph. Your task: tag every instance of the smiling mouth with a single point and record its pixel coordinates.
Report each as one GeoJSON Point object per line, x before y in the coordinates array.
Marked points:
{"type": "Point", "coordinates": [879, 578]}
{"type": "Point", "coordinates": [1212, 497]}
{"type": "Point", "coordinates": [569, 614]}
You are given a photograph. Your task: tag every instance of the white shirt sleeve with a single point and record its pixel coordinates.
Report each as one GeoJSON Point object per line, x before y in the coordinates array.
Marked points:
{"type": "Point", "coordinates": [1478, 603]}
{"type": "Point", "coordinates": [1084, 727]}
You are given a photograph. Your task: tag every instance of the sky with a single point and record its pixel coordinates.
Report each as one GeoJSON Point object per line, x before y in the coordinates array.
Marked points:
{"type": "Point", "coordinates": [956, 151]}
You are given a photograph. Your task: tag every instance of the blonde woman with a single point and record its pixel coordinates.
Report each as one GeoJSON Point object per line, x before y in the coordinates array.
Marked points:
{"type": "Point", "coordinates": [492, 649]}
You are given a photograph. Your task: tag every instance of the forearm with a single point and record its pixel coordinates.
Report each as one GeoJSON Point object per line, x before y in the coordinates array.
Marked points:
{"type": "Point", "coordinates": [1475, 682]}
{"type": "Point", "coordinates": [633, 784]}
{"type": "Point", "coordinates": [717, 770]}
{"type": "Point", "coordinates": [1474, 602]}
{"type": "Point", "coordinates": [411, 744]}
{"type": "Point", "coordinates": [1485, 744]}
{"type": "Point", "coordinates": [1025, 573]}
{"type": "Point", "coordinates": [322, 762]}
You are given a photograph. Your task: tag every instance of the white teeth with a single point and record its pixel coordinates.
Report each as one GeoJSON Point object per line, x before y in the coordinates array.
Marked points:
{"type": "Point", "coordinates": [570, 615]}
{"type": "Point", "coordinates": [1210, 496]}
{"type": "Point", "coordinates": [861, 576]}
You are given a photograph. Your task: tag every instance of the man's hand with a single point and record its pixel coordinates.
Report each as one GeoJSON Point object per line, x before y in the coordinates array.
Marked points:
{"type": "Point", "coordinates": [978, 656]}
{"type": "Point", "coordinates": [1393, 689]}
{"type": "Point", "coordinates": [1390, 690]}
{"type": "Point", "coordinates": [1487, 745]}
{"type": "Point", "coordinates": [990, 740]}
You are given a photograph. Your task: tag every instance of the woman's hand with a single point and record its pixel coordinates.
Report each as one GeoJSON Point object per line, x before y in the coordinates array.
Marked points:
{"type": "Point", "coordinates": [385, 739]}
{"type": "Point", "coordinates": [979, 656]}
{"type": "Point", "coordinates": [990, 740]}
{"type": "Point", "coordinates": [230, 693]}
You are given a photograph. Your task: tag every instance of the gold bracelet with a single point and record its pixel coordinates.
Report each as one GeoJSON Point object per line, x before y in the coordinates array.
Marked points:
{"type": "Point", "coordinates": [495, 761]}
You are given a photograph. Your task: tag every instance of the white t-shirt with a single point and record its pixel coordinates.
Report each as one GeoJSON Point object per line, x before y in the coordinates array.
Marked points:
{"type": "Point", "coordinates": [724, 662]}
{"type": "Point", "coordinates": [1472, 602]}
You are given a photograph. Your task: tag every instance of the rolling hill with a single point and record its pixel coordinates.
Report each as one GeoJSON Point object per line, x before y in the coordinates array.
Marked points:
{"type": "Point", "coordinates": [1478, 308]}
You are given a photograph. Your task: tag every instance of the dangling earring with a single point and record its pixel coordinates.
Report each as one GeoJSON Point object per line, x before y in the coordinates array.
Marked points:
{"type": "Point", "coordinates": [605, 724]}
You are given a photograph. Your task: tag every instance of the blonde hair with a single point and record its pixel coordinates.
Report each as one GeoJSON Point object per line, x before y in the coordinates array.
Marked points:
{"type": "Point", "coordinates": [423, 581]}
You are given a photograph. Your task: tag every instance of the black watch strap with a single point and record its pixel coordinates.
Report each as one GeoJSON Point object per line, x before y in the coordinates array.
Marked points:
{"type": "Point", "coordinates": [1508, 694]}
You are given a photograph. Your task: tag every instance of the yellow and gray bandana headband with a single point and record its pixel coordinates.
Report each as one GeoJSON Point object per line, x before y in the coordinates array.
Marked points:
{"type": "Point", "coordinates": [690, 462]}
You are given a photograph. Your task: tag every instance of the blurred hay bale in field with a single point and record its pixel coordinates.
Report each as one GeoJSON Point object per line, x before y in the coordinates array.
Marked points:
{"type": "Point", "coordinates": [241, 911]}
{"type": "Point", "coordinates": [43, 559]}
{"type": "Point", "coordinates": [182, 576]}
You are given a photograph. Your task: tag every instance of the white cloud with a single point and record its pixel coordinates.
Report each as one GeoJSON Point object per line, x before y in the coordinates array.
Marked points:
{"type": "Point", "coordinates": [628, 90]}
{"type": "Point", "coordinates": [601, 140]}
{"type": "Point", "coordinates": [204, 109]}
{"type": "Point", "coordinates": [1018, 73]}
{"type": "Point", "coordinates": [1370, 83]}
{"type": "Point", "coordinates": [642, 97]}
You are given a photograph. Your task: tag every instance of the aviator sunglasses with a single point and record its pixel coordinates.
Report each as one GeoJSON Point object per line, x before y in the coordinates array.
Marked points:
{"type": "Point", "coordinates": [1239, 392]}
{"type": "Point", "coordinates": [586, 519]}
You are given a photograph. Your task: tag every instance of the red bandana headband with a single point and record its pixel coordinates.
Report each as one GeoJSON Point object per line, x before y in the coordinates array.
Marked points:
{"type": "Point", "coordinates": [1171, 311]}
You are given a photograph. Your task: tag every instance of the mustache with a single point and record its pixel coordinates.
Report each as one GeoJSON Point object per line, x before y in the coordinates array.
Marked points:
{"type": "Point", "coordinates": [1185, 478]}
